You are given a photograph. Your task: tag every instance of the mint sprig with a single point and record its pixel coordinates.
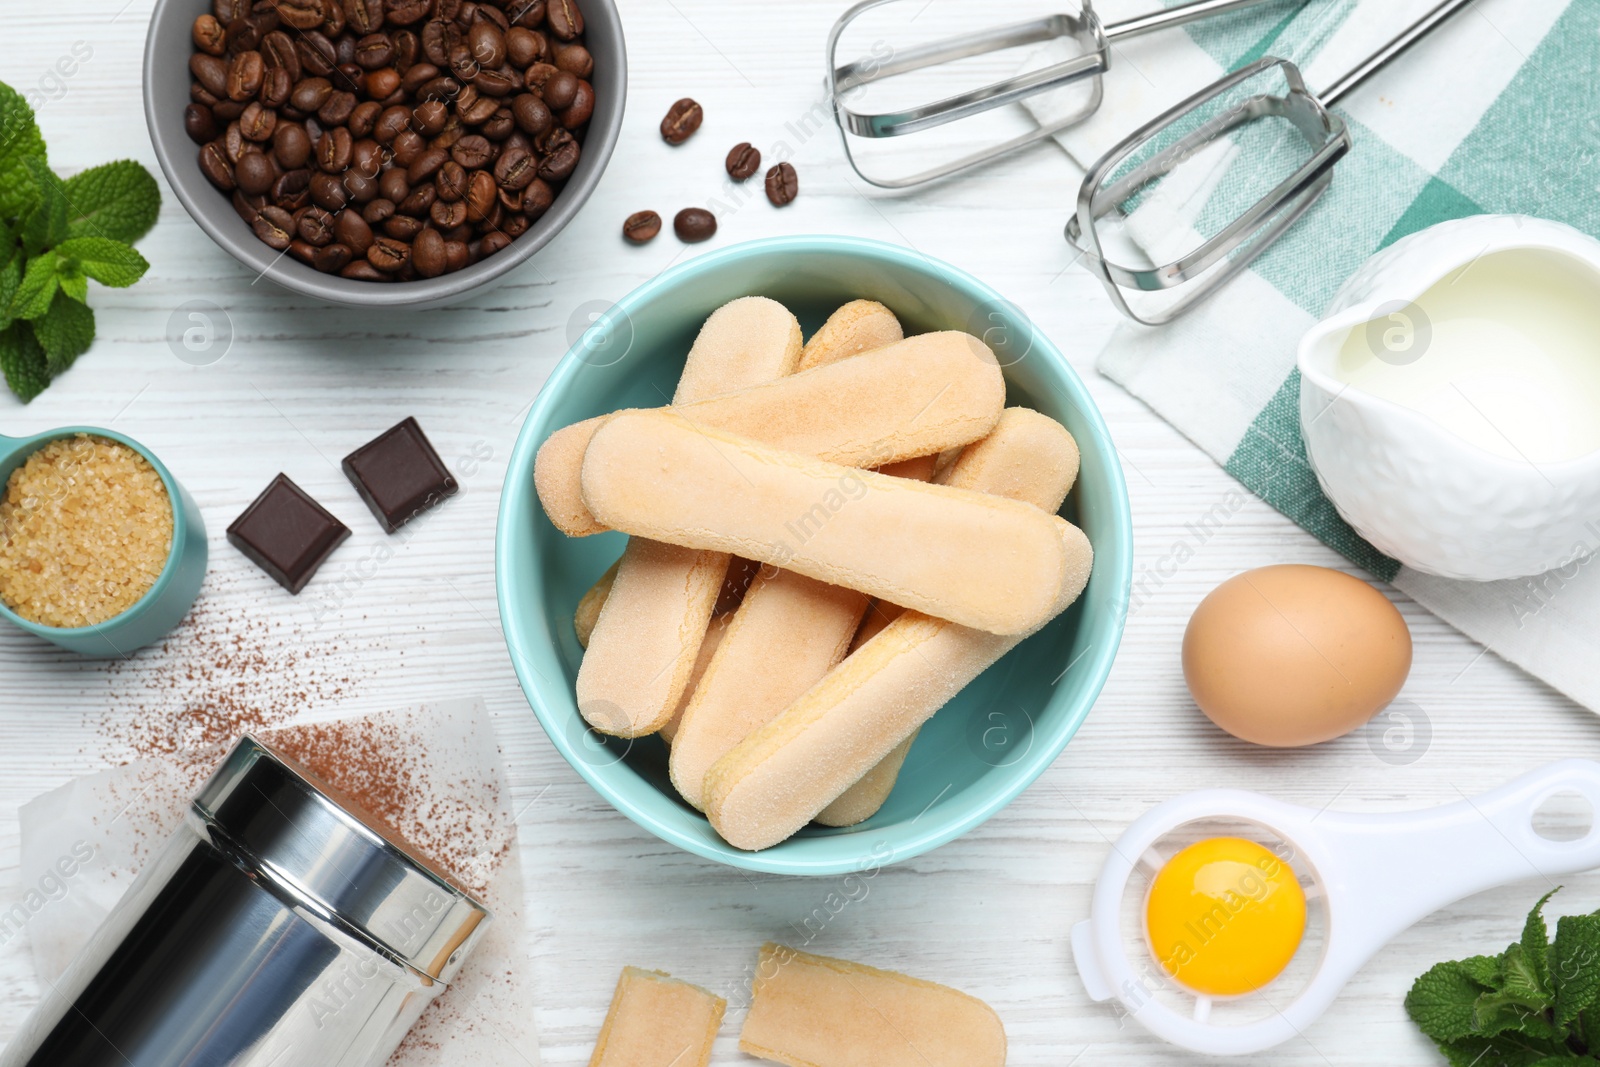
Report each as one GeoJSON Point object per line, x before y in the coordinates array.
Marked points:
{"type": "Point", "coordinates": [55, 236]}
{"type": "Point", "coordinates": [1537, 1004]}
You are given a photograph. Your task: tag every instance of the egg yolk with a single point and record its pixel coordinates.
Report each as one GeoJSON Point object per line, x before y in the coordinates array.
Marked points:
{"type": "Point", "coordinates": [1225, 916]}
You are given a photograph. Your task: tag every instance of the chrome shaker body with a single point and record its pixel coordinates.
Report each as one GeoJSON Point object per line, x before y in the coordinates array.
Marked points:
{"type": "Point", "coordinates": [275, 929]}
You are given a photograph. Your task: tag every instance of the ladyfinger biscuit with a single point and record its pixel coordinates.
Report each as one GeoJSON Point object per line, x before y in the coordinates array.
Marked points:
{"type": "Point", "coordinates": [657, 1021]}
{"type": "Point", "coordinates": [978, 560]}
{"type": "Point", "coordinates": [593, 600]}
{"type": "Point", "coordinates": [857, 327]}
{"type": "Point", "coordinates": [1028, 457]}
{"type": "Point", "coordinates": [788, 633]}
{"type": "Point", "coordinates": [812, 1011]}
{"type": "Point", "coordinates": [647, 636]}
{"type": "Point", "coordinates": [708, 648]}
{"type": "Point", "coordinates": [920, 396]}
{"type": "Point", "coordinates": [784, 774]}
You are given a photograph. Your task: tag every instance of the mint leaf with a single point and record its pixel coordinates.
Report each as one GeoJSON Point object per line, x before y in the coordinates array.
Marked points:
{"type": "Point", "coordinates": [1575, 966]}
{"type": "Point", "coordinates": [64, 332]}
{"type": "Point", "coordinates": [106, 261]}
{"type": "Point", "coordinates": [20, 141]}
{"type": "Point", "coordinates": [1506, 1050]}
{"type": "Point", "coordinates": [23, 361]}
{"type": "Point", "coordinates": [1443, 1002]}
{"type": "Point", "coordinates": [73, 282]}
{"type": "Point", "coordinates": [10, 281]}
{"type": "Point", "coordinates": [1536, 942]}
{"type": "Point", "coordinates": [116, 200]}
{"type": "Point", "coordinates": [1525, 974]}
{"type": "Point", "coordinates": [38, 286]}
{"type": "Point", "coordinates": [46, 225]}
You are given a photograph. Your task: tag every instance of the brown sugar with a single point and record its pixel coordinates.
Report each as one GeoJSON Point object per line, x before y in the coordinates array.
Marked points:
{"type": "Point", "coordinates": [85, 531]}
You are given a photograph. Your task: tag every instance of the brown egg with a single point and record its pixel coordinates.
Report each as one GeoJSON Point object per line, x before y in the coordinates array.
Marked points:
{"type": "Point", "coordinates": [1294, 655]}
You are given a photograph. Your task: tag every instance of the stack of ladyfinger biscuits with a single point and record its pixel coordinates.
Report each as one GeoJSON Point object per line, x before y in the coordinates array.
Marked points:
{"type": "Point", "coordinates": [827, 541]}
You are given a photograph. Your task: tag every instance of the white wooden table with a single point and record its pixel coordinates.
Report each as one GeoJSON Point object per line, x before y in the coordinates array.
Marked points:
{"type": "Point", "coordinates": [303, 384]}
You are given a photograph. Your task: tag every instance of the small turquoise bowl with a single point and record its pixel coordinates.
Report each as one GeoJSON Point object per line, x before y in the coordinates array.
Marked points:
{"type": "Point", "coordinates": [166, 602]}
{"type": "Point", "coordinates": [985, 746]}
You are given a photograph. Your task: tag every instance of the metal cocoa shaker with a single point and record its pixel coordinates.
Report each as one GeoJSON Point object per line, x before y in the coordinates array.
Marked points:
{"type": "Point", "coordinates": [275, 929]}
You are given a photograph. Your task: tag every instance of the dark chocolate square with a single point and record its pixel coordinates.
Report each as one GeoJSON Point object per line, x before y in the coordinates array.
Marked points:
{"type": "Point", "coordinates": [399, 475]}
{"type": "Point", "coordinates": [287, 534]}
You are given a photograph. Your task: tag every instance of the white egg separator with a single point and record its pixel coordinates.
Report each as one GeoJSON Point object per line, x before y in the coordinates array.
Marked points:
{"type": "Point", "coordinates": [1375, 875]}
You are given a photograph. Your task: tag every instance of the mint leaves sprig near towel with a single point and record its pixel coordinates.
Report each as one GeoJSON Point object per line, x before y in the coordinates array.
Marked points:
{"type": "Point", "coordinates": [55, 235]}
{"type": "Point", "coordinates": [1537, 1004]}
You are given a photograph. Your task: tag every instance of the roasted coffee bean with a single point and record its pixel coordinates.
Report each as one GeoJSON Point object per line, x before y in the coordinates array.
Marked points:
{"type": "Point", "coordinates": [451, 181]}
{"type": "Point", "coordinates": [310, 94]}
{"type": "Point", "coordinates": [402, 227]}
{"type": "Point", "coordinates": [350, 229]}
{"type": "Point", "coordinates": [473, 151]}
{"type": "Point", "coordinates": [367, 158]}
{"type": "Point", "coordinates": [497, 83]}
{"type": "Point", "coordinates": [347, 73]}
{"type": "Point", "coordinates": [481, 110]}
{"type": "Point", "coordinates": [407, 48]}
{"type": "Point", "coordinates": [377, 211]}
{"type": "Point", "coordinates": [254, 174]}
{"type": "Point", "coordinates": [515, 169]}
{"type": "Point", "coordinates": [364, 119]}
{"type": "Point", "coordinates": [438, 38]}
{"type": "Point", "coordinates": [429, 117]}
{"type": "Point", "coordinates": [525, 47]}
{"type": "Point", "coordinates": [500, 125]}
{"type": "Point", "coordinates": [641, 226]}
{"type": "Point", "coordinates": [393, 184]}
{"type": "Point", "coordinates": [561, 158]}
{"type": "Point", "coordinates": [388, 255]}
{"type": "Point", "coordinates": [301, 14]}
{"type": "Point", "coordinates": [275, 227]}
{"type": "Point", "coordinates": [335, 22]}
{"type": "Point", "coordinates": [455, 254]}
{"type": "Point", "coordinates": [257, 123]}
{"type": "Point", "coordinates": [408, 146]}
{"type": "Point", "coordinates": [373, 51]}
{"type": "Point", "coordinates": [292, 190]}
{"type": "Point", "coordinates": [493, 242]}
{"type": "Point", "coordinates": [526, 13]}
{"type": "Point", "coordinates": [362, 271]}
{"type": "Point", "coordinates": [487, 43]}
{"type": "Point", "coordinates": [511, 199]}
{"type": "Point", "coordinates": [233, 142]}
{"type": "Point", "coordinates": [328, 191]}
{"type": "Point", "coordinates": [316, 227]}
{"type": "Point", "coordinates": [538, 75]}
{"type": "Point", "coordinates": [227, 110]}
{"type": "Point", "coordinates": [484, 12]}
{"type": "Point", "coordinates": [277, 52]}
{"type": "Point", "coordinates": [575, 58]}
{"type": "Point", "coordinates": [537, 198]}
{"type": "Point", "coordinates": [413, 80]}
{"type": "Point", "coordinates": [225, 11]}
{"type": "Point", "coordinates": [317, 56]}
{"type": "Point", "coordinates": [210, 72]}
{"type": "Point", "coordinates": [207, 33]}
{"type": "Point", "coordinates": [337, 109]}
{"type": "Point", "coordinates": [360, 187]}
{"type": "Point", "coordinates": [248, 206]}
{"type": "Point", "coordinates": [303, 250]}
{"type": "Point", "coordinates": [561, 89]}
{"type": "Point", "coordinates": [242, 35]}
{"type": "Point", "coordinates": [744, 159]}
{"type": "Point", "coordinates": [363, 16]}
{"type": "Point", "coordinates": [480, 198]}
{"type": "Point", "coordinates": [694, 224]}
{"type": "Point", "coordinates": [391, 123]}
{"type": "Point", "coordinates": [783, 185]}
{"type": "Point", "coordinates": [405, 12]}
{"type": "Point", "coordinates": [427, 252]}
{"type": "Point", "coordinates": [290, 145]}
{"type": "Point", "coordinates": [418, 203]}
{"type": "Point", "coordinates": [199, 123]}
{"type": "Point", "coordinates": [532, 116]}
{"type": "Point", "coordinates": [333, 150]}
{"type": "Point", "coordinates": [514, 226]}
{"type": "Point", "coordinates": [518, 139]}
{"type": "Point", "coordinates": [382, 83]}
{"type": "Point", "coordinates": [581, 108]}
{"type": "Point", "coordinates": [448, 214]}
{"type": "Point", "coordinates": [275, 88]}
{"type": "Point", "coordinates": [426, 165]}
{"type": "Point", "coordinates": [680, 122]}
{"type": "Point", "coordinates": [333, 258]}
{"type": "Point", "coordinates": [566, 21]}
{"type": "Point", "coordinates": [200, 95]}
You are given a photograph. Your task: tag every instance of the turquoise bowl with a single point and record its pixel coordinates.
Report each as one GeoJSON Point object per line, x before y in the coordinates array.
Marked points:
{"type": "Point", "coordinates": [165, 604]}
{"type": "Point", "coordinates": [985, 746]}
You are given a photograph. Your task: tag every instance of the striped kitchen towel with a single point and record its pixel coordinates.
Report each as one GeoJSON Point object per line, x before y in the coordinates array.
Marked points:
{"type": "Point", "coordinates": [1498, 111]}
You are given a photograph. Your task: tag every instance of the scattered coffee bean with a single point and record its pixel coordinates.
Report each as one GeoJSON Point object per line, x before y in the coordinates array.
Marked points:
{"type": "Point", "coordinates": [743, 161]}
{"type": "Point", "coordinates": [694, 224]}
{"type": "Point", "coordinates": [783, 185]}
{"type": "Point", "coordinates": [641, 226]}
{"type": "Point", "coordinates": [682, 119]}
{"type": "Point", "coordinates": [447, 126]}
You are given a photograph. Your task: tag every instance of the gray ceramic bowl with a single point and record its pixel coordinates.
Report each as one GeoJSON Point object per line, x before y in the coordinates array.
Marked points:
{"type": "Point", "coordinates": [166, 94]}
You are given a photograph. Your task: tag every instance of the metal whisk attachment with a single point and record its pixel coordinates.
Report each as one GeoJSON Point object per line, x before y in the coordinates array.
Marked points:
{"type": "Point", "coordinates": [1092, 38]}
{"type": "Point", "coordinates": [1223, 123]}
